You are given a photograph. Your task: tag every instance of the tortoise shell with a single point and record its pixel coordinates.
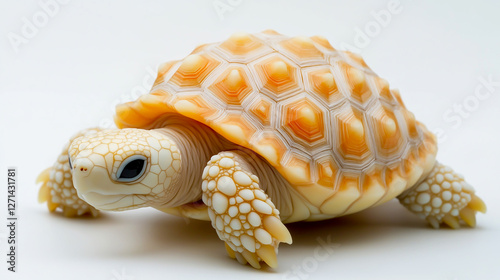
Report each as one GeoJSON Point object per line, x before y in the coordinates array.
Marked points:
{"type": "Point", "coordinates": [320, 116]}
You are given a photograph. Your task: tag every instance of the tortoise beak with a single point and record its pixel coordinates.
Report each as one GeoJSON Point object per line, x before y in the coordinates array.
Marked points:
{"type": "Point", "coordinates": [93, 185]}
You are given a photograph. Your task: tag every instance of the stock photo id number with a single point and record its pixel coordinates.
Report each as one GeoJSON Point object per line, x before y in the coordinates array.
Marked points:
{"type": "Point", "coordinates": [11, 219]}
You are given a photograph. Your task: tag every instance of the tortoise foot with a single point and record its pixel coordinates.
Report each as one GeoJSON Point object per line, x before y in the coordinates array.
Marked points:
{"type": "Point", "coordinates": [444, 197]}
{"type": "Point", "coordinates": [57, 186]}
{"type": "Point", "coordinates": [241, 212]}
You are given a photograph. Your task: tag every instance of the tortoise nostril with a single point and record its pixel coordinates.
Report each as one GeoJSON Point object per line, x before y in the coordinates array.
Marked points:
{"type": "Point", "coordinates": [83, 166]}
{"type": "Point", "coordinates": [83, 169]}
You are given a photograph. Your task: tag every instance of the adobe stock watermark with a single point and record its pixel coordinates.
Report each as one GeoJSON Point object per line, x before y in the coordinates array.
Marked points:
{"type": "Point", "coordinates": [310, 264]}
{"type": "Point", "coordinates": [121, 275]}
{"type": "Point", "coordinates": [364, 36]}
{"type": "Point", "coordinates": [31, 26]}
{"type": "Point", "coordinates": [222, 7]}
{"type": "Point", "coordinates": [457, 113]}
{"type": "Point", "coordinates": [134, 94]}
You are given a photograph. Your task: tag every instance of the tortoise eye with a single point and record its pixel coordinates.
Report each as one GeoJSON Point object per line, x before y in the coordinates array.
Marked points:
{"type": "Point", "coordinates": [69, 161]}
{"type": "Point", "coordinates": [131, 169]}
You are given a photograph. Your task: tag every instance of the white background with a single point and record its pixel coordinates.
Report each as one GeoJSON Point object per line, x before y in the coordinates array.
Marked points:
{"type": "Point", "coordinates": [70, 72]}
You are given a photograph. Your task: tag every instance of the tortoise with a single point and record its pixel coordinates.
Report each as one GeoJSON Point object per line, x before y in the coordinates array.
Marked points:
{"type": "Point", "coordinates": [255, 132]}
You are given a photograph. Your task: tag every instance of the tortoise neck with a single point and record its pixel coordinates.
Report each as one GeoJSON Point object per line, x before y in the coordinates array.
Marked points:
{"type": "Point", "coordinates": [197, 143]}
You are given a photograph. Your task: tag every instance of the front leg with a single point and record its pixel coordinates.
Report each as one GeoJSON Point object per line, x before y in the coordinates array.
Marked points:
{"type": "Point", "coordinates": [241, 212]}
{"type": "Point", "coordinates": [57, 185]}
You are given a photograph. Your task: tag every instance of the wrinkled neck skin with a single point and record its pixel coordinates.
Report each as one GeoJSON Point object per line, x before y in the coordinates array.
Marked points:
{"type": "Point", "coordinates": [197, 143]}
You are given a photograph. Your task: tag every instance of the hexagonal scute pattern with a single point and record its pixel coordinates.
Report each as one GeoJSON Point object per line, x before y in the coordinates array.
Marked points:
{"type": "Point", "coordinates": [243, 47]}
{"type": "Point", "coordinates": [193, 70]}
{"type": "Point", "coordinates": [352, 136]}
{"type": "Point", "coordinates": [303, 120]}
{"type": "Point", "coordinates": [320, 116]}
{"type": "Point", "coordinates": [386, 132]}
{"type": "Point", "coordinates": [262, 108]}
{"type": "Point", "coordinates": [302, 50]}
{"type": "Point", "coordinates": [327, 170]}
{"type": "Point", "coordinates": [277, 76]}
{"type": "Point", "coordinates": [320, 81]}
{"type": "Point", "coordinates": [356, 81]}
{"type": "Point", "coordinates": [232, 86]}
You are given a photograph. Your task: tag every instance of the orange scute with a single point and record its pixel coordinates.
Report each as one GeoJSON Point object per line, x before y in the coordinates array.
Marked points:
{"type": "Point", "coordinates": [352, 136]}
{"type": "Point", "coordinates": [193, 70]}
{"type": "Point", "coordinates": [232, 86]}
{"type": "Point", "coordinates": [241, 44]}
{"type": "Point", "coordinates": [305, 120]}
{"type": "Point", "coordinates": [302, 48]}
{"type": "Point", "coordinates": [262, 110]}
{"type": "Point", "coordinates": [277, 75]}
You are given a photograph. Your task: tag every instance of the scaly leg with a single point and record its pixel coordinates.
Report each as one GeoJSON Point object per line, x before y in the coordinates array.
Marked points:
{"type": "Point", "coordinates": [57, 185]}
{"type": "Point", "coordinates": [241, 212]}
{"type": "Point", "coordinates": [443, 196]}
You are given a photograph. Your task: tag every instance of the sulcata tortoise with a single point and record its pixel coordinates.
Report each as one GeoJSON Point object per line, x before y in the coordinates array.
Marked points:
{"type": "Point", "coordinates": [255, 132]}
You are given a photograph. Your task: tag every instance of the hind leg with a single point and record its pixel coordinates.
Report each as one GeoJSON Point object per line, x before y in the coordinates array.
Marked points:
{"type": "Point", "coordinates": [57, 185]}
{"type": "Point", "coordinates": [443, 196]}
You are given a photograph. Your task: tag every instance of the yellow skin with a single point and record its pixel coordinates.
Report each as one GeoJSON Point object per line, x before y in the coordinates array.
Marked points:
{"type": "Point", "coordinates": [85, 179]}
{"type": "Point", "coordinates": [57, 185]}
{"type": "Point", "coordinates": [94, 161]}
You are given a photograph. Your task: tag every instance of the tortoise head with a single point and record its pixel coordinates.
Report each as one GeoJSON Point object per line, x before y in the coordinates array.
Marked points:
{"type": "Point", "coordinates": [124, 168]}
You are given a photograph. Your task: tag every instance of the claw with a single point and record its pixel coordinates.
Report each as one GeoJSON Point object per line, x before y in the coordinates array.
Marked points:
{"type": "Point", "coordinates": [43, 193]}
{"type": "Point", "coordinates": [94, 212]}
{"type": "Point", "coordinates": [469, 216]}
{"type": "Point", "coordinates": [268, 255]}
{"type": "Point", "coordinates": [433, 221]}
{"type": "Point", "coordinates": [477, 204]}
{"type": "Point", "coordinates": [277, 229]}
{"type": "Point", "coordinates": [44, 176]}
{"type": "Point", "coordinates": [230, 251]}
{"type": "Point", "coordinates": [451, 221]}
{"type": "Point", "coordinates": [251, 258]}
{"type": "Point", "coordinates": [240, 258]}
{"type": "Point", "coordinates": [69, 212]}
{"type": "Point", "coordinates": [51, 205]}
